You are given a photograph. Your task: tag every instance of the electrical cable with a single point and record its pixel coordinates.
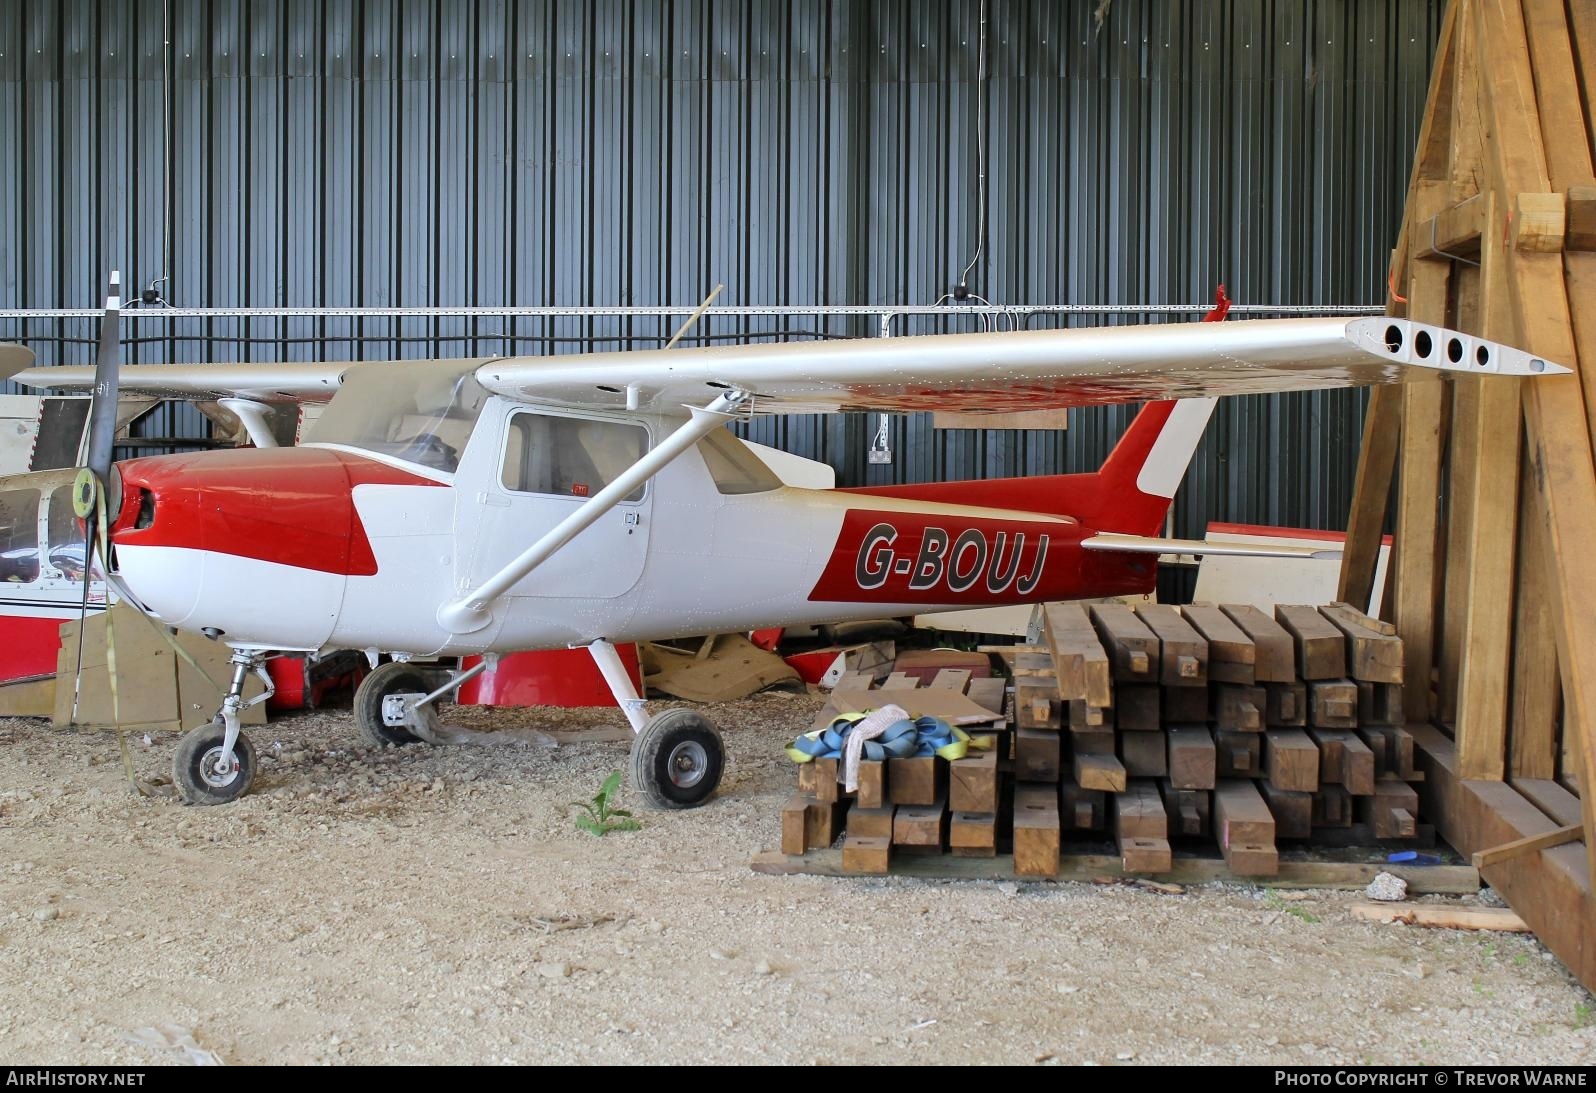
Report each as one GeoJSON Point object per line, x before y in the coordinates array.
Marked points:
{"type": "Point", "coordinates": [980, 153]}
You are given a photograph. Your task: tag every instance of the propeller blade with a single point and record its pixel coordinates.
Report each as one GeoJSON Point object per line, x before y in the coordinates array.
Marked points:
{"type": "Point", "coordinates": [102, 412]}
{"type": "Point", "coordinates": [14, 359]}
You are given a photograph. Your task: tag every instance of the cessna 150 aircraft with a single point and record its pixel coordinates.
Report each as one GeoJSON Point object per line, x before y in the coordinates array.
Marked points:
{"type": "Point", "coordinates": [456, 507]}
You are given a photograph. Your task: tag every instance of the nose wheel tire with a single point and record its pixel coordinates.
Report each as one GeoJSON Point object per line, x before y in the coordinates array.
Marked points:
{"type": "Point", "coordinates": [677, 760]}
{"type": "Point", "coordinates": [392, 678]}
{"type": "Point", "coordinates": [197, 769]}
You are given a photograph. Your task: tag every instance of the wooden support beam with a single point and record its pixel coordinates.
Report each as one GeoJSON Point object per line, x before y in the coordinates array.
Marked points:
{"type": "Point", "coordinates": [1371, 495]}
{"type": "Point", "coordinates": [1528, 844]}
{"type": "Point", "coordinates": [1231, 654]}
{"type": "Point", "coordinates": [1274, 653]}
{"type": "Point", "coordinates": [1079, 659]}
{"type": "Point", "coordinates": [1551, 889]}
{"type": "Point", "coordinates": [1133, 646]}
{"type": "Point", "coordinates": [1184, 652]}
{"type": "Point", "coordinates": [1536, 697]}
{"type": "Point", "coordinates": [1416, 561]}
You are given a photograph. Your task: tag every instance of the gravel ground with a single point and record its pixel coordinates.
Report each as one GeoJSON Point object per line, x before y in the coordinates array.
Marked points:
{"type": "Point", "coordinates": [438, 905]}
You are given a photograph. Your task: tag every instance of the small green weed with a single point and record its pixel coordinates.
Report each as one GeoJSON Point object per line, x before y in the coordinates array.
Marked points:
{"type": "Point", "coordinates": [1582, 1014]}
{"type": "Point", "coordinates": [600, 816]}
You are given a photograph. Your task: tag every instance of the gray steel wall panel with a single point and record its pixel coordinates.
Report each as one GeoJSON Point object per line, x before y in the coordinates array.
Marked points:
{"type": "Point", "coordinates": [479, 152]}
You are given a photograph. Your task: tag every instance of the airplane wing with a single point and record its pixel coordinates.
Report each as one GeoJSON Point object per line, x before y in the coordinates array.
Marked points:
{"type": "Point", "coordinates": [1020, 370]}
{"type": "Point", "coordinates": [315, 381]}
{"type": "Point", "coordinates": [13, 359]}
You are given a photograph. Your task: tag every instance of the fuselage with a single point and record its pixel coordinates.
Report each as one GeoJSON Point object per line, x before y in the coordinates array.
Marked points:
{"type": "Point", "coordinates": [347, 545]}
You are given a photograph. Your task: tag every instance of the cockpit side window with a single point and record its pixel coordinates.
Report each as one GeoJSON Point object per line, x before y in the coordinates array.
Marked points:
{"type": "Point", "coordinates": [65, 534]}
{"type": "Point", "coordinates": [19, 536]}
{"type": "Point", "coordinates": [734, 468]}
{"type": "Point", "coordinates": [569, 456]}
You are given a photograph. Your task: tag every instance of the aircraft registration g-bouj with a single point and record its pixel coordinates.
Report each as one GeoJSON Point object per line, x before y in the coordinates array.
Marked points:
{"type": "Point", "coordinates": [478, 506]}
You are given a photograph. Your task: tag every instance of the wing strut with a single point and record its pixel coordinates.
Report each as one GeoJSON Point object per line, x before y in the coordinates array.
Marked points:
{"type": "Point", "coordinates": [473, 611]}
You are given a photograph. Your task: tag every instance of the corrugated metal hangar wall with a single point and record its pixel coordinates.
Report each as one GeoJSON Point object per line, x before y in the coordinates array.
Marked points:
{"type": "Point", "coordinates": [602, 152]}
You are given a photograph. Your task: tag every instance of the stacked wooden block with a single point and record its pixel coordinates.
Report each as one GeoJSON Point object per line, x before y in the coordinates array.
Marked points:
{"type": "Point", "coordinates": [918, 805]}
{"type": "Point", "coordinates": [1213, 722]}
{"type": "Point", "coordinates": [1229, 726]}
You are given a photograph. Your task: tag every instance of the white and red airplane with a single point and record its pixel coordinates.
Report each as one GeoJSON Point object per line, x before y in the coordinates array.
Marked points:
{"type": "Point", "coordinates": [454, 507]}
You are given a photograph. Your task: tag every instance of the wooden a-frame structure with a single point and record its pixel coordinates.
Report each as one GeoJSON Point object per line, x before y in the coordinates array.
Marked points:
{"type": "Point", "coordinates": [1492, 584]}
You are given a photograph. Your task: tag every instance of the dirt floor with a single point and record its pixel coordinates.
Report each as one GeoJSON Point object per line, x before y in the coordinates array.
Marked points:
{"type": "Point", "coordinates": [438, 905]}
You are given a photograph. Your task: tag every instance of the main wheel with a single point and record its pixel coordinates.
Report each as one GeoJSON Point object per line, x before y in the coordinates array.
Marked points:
{"type": "Point", "coordinates": [392, 678]}
{"type": "Point", "coordinates": [197, 769]}
{"type": "Point", "coordinates": [677, 760]}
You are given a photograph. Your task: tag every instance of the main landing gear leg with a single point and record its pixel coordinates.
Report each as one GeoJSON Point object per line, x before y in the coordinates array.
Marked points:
{"type": "Point", "coordinates": [215, 763]}
{"type": "Point", "coordinates": [677, 756]}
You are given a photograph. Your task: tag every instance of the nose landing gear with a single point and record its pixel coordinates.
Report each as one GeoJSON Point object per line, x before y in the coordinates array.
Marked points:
{"type": "Point", "coordinates": [215, 763]}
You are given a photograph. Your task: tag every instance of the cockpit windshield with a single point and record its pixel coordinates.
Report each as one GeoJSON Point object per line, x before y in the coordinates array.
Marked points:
{"type": "Point", "coordinates": [422, 412]}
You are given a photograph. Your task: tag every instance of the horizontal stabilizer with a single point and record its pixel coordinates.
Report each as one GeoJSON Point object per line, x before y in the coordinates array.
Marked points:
{"type": "Point", "coordinates": [1141, 544]}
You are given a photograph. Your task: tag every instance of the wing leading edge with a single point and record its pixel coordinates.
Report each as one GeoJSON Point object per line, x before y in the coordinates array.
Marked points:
{"type": "Point", "coordinates": [1019, 370]}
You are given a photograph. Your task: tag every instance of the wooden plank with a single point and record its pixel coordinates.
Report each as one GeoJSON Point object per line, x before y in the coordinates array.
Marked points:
{"type": "Point", "coordinates": [823, 822]}
{"type": "Point", "coordinates": [1245, 829]}
{"type": "Point", "coordinates": [1416, 561]}
{"type": "Point", "coordinates": [1381, 704]}
{"type": "Point", "coordinates": [1285, 705]}
{"type": "Point", "coordinates": [1082, 809]}
{"type": "Point", "coordinates": [1231, 654]}
{"type": "Point", "coordinates": [870, 822]}
{"type": "Point", "coordinates": [1083, 716]}
{"type": "Point", "coordinates": [856, 681]}
{"type": "Point", "coordinates": [920, 828]}
{"type": "Point", "coordinates": [825, 786]}
{"type": "Point", "coordinates": [793, 826]}
{"type": "Point", "coordinates": [1292, 760]}
{"type": "Point", "coordinates": [1345, 760]}
{"type": "Point", "coordinates": [1101, 772]}
{"type": "Point", "coordinates": [872, 791]}
{"type": "Point", "coordinates": [1274, 651]}
{"type": "Point", "coordinates": [1191, 757]}
{"type": "Point", "coordinates": [1528, 844]}
{"type": "Point", "coordinates": [917, 780]}
{"type": "Point", "coordinates": [1454, 232]}
{"type": "Point", "coordinates": [951, 679]}
{"type": "Point", "coordinates": [1292, 810]}
{"type": "Point", "coordinates": [1536, 696]}
{"type": "Point", "coordinates": [1239, 708]}
{"type": "Point", "coordinates": [1036, 755]}
{"type": "Point", "coordinates": [1332, 806]}
{"type": "Point", "coordinates": [1551, 889]}
{"type": "Point", "coordinates": [1392, 810]}
{"type": "Point", "coordinates": [1189, 810]}
{"type": "Point", "coordinates": [1333, 704]}
{"type": "Point", "coordinates": [1036, 705]}
{"type": "Point", "coordinates": [1551, 798]}
{"type": "Point", "coordinates": [1036, 830]}
{"type": "Point", "coordinates": [1092, 741]}
{"type": "Point", "coordinates": [1183, 704]}
{"type": "Point", "coordinates": [1082, 664]}
{"type": "Point", "coordinates": [1238, 754]}
{"type": "Point", "coordinates": [866, 855]}
{"type": "Point", "coordinates": [1145, 754]}
{"type": "Point", "coordinates": [1141, 829]}
{"type": "Point", "coordinates": [1183, 652]}
{"type": "Point", "coordinates": [987, 693]}
{"type": "Point", "coordinates": [972, 834]}
{"type": "Point", "coordinates": [1492, 538]}
{"type": "Point", "coordinates": [1581, 218]}
{"type": "Point", "coordinates": [1462, 464]}
{"type": "Point", "coordinates": [1137, 707]}
{"type": "Point", "coordinates": [900, 681]}
{"type": "Point", "coordinates": [1374, 651]}
{"type": "Point", "coordinates": [1132, 646]}
{"type": "Point", "coordinates": [1321, 650]}
{"type": "Point", "coordinates": [1371, 494]}
{"type": "Point", "coordinates": [1442, 916]}
{"type": "Point", "coordinates": [973, 782]}
{"type": "Point", "coordinates": [1295, 873]}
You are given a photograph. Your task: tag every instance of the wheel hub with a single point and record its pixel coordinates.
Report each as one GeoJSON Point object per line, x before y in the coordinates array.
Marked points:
{"type": "Point", "coordinates": [687, 763]}
{"type": "Point", "coordinates": [214, 772]}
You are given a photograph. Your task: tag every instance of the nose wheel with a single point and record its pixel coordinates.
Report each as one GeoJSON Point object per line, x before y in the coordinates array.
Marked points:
{"type": "Point", "coordinates": [677, 759]}
{"type": "Point", "coordinates": [206, 772]}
